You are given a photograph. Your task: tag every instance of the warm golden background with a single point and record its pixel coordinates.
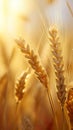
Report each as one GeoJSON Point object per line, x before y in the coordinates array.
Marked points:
{"type": "Point", "coordinates": [31, 19]}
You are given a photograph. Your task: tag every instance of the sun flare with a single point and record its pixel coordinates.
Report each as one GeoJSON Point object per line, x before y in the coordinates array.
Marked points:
{"type": "Point", "coordinates": [11, 9]}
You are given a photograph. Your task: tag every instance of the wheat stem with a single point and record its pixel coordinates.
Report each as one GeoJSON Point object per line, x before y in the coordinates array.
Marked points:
{"type": "Point", "coordinates": [69, 105]}
{"type": "Point", "coordinates": [69, 7]}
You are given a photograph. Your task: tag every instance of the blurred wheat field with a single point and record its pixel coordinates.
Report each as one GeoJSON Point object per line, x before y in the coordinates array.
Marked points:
{"type": "Point", "coordinates": [36, 65]}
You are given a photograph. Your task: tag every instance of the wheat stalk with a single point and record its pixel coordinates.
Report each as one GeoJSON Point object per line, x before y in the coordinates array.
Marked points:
{"type": "Point", "coordinates": [20, 86]}
{"type": "Point", "coordinates": [59, 69]}
{"type": "Point", "coordinates": [34, 62]}
{"type": "Point", "coordinates": [58, 65]}
{"type": "Point", "coordinates": [69, 7]}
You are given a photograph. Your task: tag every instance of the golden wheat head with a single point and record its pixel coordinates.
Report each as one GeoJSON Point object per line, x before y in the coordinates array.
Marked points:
{"type": "Point", "coordinates": [58, 64]}
{"type": "Point", "coordinates": [34, 62]}
{"type": "Point", "coordinates": [20, 86]}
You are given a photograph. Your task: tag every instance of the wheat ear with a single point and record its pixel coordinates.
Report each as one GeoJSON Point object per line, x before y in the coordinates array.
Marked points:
{"type": "Point", "coordinates": [20, 86]}
{"type": "Point", "coordinates": [58, 65]}
{"type": "Point", "coordinates": [69, 105]}
{"type": "Point", "coordinates": [34, 62]}
{"type": "Point", "coordinates": [59, 69]}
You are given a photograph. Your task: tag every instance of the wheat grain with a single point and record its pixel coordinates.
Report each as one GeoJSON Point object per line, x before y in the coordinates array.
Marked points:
{"type": "Point", "coordinates": [20, 86]}
{"type": "Point", "coordinates": [58, 65]}
{"type": "Point", "coordinates": [34, 62]}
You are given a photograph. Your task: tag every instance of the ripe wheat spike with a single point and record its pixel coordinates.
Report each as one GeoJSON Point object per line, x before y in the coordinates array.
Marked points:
{"type": "Point", "coordinates": [34, 62]}
{"type": "Point", "coordinates": [58, 65]}
{"type": "Point", "coordinates": [20, 86]}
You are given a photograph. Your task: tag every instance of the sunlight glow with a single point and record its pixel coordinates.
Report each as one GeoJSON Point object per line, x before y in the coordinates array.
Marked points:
{"type": "Point", "coordinates": [15, 5]}
{"type": "Point", "coordinates": [19, 6]}
{"type": "Point", "coordinates": [10, 10]}
{"type": "Point", "coordinates": [1, 16]}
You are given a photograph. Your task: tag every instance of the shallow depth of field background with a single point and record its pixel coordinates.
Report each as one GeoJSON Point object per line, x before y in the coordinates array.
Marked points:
{"type": "Point", "coordinates": [31, 19]}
